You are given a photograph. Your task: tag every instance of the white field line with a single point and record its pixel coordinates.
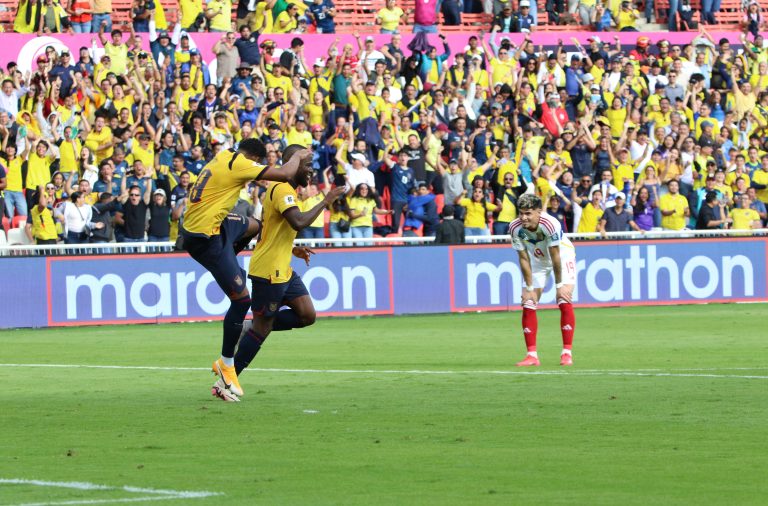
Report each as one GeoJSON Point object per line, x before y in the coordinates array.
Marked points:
{"type": "Point", "coordinates": [156, 494]}
{"type": "Point", "coordinates": [676, 373]}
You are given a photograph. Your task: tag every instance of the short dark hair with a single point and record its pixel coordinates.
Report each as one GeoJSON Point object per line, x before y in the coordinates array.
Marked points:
{"type": "Point", "coordinates": [290, 151]}
{"type": "Point", "coordinates": [253, 147]}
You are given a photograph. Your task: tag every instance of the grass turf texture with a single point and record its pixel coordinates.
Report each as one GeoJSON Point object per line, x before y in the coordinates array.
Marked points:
{"type": "Point", "coordinates": [401, 438]}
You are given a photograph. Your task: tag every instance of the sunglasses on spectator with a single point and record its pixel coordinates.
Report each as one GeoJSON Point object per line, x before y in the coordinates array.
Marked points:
{"type": "Point", "coordinates": [50, 187]}
{"type": "Point", "coordinates": [135, 195]}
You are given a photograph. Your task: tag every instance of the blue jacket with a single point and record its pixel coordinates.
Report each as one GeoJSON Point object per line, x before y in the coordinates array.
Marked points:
{"type": "Point", "coordinates": [426, 63]}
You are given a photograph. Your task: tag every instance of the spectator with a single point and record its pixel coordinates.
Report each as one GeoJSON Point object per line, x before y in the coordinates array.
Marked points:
{"type": "Point", "coordinates": [626, 19]}
{"type": "Point", "coordinates": [643, 210]}
{"type": "Point", "coordinates": [133, 215]}
{"type": "Point", "coordinates": [103, 212]}
{"type": "Point", "coordinates": [192, 17]}
{"type": "Point", "coordinates": [506, 201]}
{"type": "Point", "coordinates": [743, 216]}
{"type": "Point", "coordinates": [76, 217]}
{"type": "Point", "coordinates": [591, 213]}
{"type": "Point", "coordinates": [674, 208]}
{"type": "Point", "coordinates": [322, 13]}
{"type": "Point", "coordinates": [159, 227]}
{"type": "Point", "coordinates": [42, 227]}
{"type": "Point", "coordinates": [712, 214]}
{"type": "Point", "coordinates": [757, 205]}
{"type": "Point", "coordinates": [450, 230]}
{"type": "Point", "coordinates": [451, 10]}
{"type": "Point", "coordinates": [226, 59]}
{"type": "Point", "coordinates": [219, 16]}
{"type": "Point", "coordinates": [478, 211]}
{"type": "Point", "coordinates": [422, 212]}
{"type": "Point", "coordinates": [505, 21]}
{"type": "Point", "coordinates": [425, 16]}
{"type": "Point", "coordinates": [617, 219]}
{"type": "Point", "coordinates": [390, 17]}
{"type": "Point", "coordinates": [362, 206]}
{"type": "Point", "coordinates": [141, 13]}
{"type": "Point", "coordinates": [402, 181]}
{"type": "Point", "coordinates": [309, 197]}
{"type": "Point", "coordinates": [80, 15]}
{"type": "Point", "coordinates": [102, 15]}
{"type": "Point", "coordinates": [526, 18]}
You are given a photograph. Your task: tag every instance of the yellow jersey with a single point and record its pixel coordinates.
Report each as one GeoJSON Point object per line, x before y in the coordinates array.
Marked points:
{"type": "Point", "coordinates": [38, 170]}
{"type": "Point", "coordinates": [509, 207]}
{"type": "Point", "coordinates": [476, 212]}
{"type": "Point", "coordinates": [676, 203]}
{"type": "Point", "coordinates": [308, 204]}
{"type": "Point", "coordinates": [760, 176]}
{"type": "Point", "coordinates": [365, 206]}
{"type": "Point", "coordinates": [95, 139]}
{"type": "Point", "coordinates": [216, 191]}
{"type": "Point", "coordinates": [43, 226]}
{"type": "Point", "coordinates": [68, 153]}
{"type": "Point", "coordinates": [743, 218]}
{"type": "Point", "coordinates": [590, 217]}
{"type": "Point", "coordinates": [271, 258]}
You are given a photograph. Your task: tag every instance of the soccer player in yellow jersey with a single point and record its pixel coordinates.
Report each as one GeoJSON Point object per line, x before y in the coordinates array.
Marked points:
{"type": "Point", "coordinates": [213, 237]}
{"type": "Point", "coordinates": [274, 283]}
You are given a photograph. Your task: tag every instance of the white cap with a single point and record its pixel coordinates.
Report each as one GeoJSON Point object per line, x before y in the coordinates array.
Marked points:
{"type": "Point", "coordinates": [358, 156]}
{"type": "Point", "coordinates": [620, 195]}
{"type": "Point", "coordinates": [525, 3]}
{"type": "Point", "coordinates": [319, 62]}
{"type": "Point", "coordinates": [159, 191]}
{"type": "Point", "coordinates": [553, 96]}
{"type": "Point", "coordinates": [369, 38]}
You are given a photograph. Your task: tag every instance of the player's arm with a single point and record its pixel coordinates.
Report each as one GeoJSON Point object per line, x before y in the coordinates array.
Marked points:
{"type": "Point", "coordinates": [288, 170]}
{"type": "Point", "coordinates": [301, 220]}
{"type": "Point", "coordinates": [525, 268]}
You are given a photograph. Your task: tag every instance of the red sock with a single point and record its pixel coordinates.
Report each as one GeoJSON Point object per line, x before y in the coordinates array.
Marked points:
{"type": "Point", "coordinates": [530, 325]}
{"type": "Point", "coordinates": [567, 324]}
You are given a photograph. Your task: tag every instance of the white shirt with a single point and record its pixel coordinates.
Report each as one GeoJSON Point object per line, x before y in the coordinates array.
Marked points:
{"type": "Point", "coordinates": [76, 218]}
{"type": "Point", "coordinates": [548, 234]}
{"type": "Point", "coordinates": [10, 103]}
{"type": "Point", "coordinates": [371, 58]}
{"type": "Point", "coordinates": [357, 176]}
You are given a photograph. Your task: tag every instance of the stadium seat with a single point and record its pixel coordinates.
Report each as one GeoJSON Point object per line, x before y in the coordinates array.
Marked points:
{"type": "Point", "coordinates": [440, 203]}
{"type": "Point", "coordinates": [16, 236]}
{"type": "Point", "coordinates": [19, 222]}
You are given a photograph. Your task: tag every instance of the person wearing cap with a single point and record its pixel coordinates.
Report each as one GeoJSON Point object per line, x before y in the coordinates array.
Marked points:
{"type": "Point", "coordinates": [617, 218]}
{"type": "Point", "coordinates": [297, 132]}
{"type": "Point", "coordinates": [369, 55]}
{"type": "Point", "coordinates": [553, 115]}
{"type": "Point", "coordinates": [502, 65]}
{"type": "Point", "coordinates": [64, 70]}
{"type": "Point", "coordinates": [159, 227]}
{"type": "Point", "coordinates": [505, 21]}
{"type": "Point", "coordinates": [526, 17]}
{"type": "Point", "coordinates": [116, 49]}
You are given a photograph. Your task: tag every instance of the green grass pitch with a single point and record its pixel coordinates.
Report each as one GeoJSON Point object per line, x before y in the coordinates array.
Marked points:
{"type": "Point", "coordinates": [665, 405]}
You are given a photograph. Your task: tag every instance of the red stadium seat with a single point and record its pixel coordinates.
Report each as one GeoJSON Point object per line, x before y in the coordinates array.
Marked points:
{"type": "Point", "coordinates": [18, 222]}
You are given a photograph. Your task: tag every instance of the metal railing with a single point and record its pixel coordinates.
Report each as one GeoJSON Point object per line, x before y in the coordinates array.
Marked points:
{"type": "Point", "coordinates": [168, 247]}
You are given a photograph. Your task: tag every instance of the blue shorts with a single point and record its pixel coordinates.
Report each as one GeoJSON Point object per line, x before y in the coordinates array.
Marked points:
{"type": "Point", "coordinates": [217, 253]}
{"type": "Point", "coordinates": [267, 298]}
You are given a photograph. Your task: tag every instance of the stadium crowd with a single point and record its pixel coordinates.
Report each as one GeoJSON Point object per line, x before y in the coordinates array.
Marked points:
{"type": "Point", "coordinates": [613, 138]}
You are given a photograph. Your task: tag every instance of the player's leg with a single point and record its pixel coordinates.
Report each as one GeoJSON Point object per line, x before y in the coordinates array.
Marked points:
{"type": "Point", "coordinates": [531, 329]}
{"type": "Point", "coordinates": [223, 265]}
{"type": "Point", "coordinates": [266, 301]}
{"type": "Point", "coordinates": [300, 312]}
{"type": "Point", "coordinates": [530, 317]}
{"type": "Point", "coordinates": [253, 230]}
{"type": "Point", "coordinates": [565, 303]}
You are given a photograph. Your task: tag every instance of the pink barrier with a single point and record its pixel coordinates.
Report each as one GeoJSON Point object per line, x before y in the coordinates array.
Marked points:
{"type": "Point", "coordinates": [24, 49]}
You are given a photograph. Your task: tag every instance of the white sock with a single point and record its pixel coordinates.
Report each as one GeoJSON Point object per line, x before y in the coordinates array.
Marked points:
{"type": "Point", "coordinates": [228, 361]}
{"type": "Point", "coordinates": [566, 352]}
{"type": "Point", "coordinates": [533, 354]}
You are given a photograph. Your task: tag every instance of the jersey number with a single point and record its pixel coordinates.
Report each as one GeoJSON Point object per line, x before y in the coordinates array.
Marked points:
{"type": "Point", "coordinates": [197, 191]}
{"type": "Point", "coordinates": [570, 267]}
{"type": "Point", "coordinates": [537, 252]}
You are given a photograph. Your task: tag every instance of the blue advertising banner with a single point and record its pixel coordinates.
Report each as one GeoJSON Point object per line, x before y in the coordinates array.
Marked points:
{"type": "Point", "coordinates": [98, 290]}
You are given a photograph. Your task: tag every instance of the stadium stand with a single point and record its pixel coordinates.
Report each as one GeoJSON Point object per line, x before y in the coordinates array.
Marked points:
{"type": "Point", "coordinates": [663, 124]}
